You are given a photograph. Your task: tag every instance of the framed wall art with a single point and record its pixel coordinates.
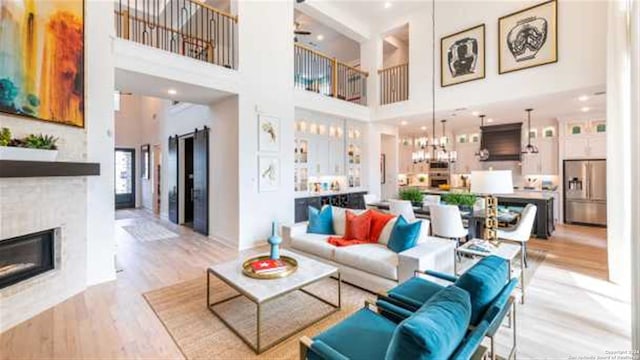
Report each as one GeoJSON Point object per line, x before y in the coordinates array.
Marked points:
{"type": "Point", "coordinates": [268, 133]}
{"type": "Point", "coordinates": [42, 72]}
{"type": "Point", "coordinates": [462, 56]}
{"type": "Point", "coordinates": [268, 173]}
{"type": "Point", "coordinates": [528, 38]}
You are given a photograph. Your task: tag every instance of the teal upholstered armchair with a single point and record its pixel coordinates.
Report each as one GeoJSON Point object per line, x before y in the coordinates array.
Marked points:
{"type": "Point", "coordinates": [438, 330]}
{"type": "Point", "coordinates": [488, 284]}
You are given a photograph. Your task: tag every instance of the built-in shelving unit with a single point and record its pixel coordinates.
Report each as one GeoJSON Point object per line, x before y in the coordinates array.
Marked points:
{"type": "Point", "coordinates": [24, 169]}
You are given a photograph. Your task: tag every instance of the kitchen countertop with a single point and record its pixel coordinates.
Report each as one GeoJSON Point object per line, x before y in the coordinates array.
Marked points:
{"type": "Point", "coordinates": [518, 194]}
{"type": "Point", "coordinates": [306, 194]}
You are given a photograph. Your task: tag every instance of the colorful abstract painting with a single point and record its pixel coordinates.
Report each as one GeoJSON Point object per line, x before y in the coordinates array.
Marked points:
{"type": "Point", "coordinates": [42, 60]}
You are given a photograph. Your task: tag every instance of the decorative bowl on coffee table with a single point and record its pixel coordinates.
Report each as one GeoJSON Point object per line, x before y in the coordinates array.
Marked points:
{"type": "Point", "coordinates": [291, 267]}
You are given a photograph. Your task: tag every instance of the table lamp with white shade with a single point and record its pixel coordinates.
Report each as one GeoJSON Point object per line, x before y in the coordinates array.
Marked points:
{"type": "Point", "coordinates": [488, 184]}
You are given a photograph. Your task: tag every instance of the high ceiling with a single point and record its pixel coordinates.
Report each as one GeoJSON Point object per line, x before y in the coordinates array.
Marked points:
{"type": "Point", "coordinates": [377, 11]}
{"type": "Point", "coordinates": [546, 108]}
{"type": "Point", "coordinates": [331, 42]}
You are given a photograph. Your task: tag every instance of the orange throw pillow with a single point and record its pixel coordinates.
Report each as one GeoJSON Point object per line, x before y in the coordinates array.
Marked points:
{"type": "Point", "coordinates": [378, 221]}
{"type": "Point", "coordinates": [357, 226]}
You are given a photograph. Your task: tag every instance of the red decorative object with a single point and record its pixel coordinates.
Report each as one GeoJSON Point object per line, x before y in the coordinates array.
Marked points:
{"type": "Point", "coordinates": [267, 266]}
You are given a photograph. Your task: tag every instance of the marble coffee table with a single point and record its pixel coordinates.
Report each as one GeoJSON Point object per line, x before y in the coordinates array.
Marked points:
{"type": "Point", "coordinates": [262, 291]}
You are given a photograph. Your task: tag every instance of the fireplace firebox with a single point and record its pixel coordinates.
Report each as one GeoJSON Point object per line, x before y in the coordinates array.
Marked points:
{"type": "Point", "coordinates": [26, 256]}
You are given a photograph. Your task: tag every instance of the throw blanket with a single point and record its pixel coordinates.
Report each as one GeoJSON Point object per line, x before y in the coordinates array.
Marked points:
{"type": "Point", "coordinates": [340, 241]}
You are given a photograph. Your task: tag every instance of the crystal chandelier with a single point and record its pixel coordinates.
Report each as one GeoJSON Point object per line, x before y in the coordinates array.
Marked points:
{"type": "Point", "coordinates": [442, 154]}
{"type": "Point", "coordinates": [529, 149]}
{"type": "Point", "coordinates": [483, 153]}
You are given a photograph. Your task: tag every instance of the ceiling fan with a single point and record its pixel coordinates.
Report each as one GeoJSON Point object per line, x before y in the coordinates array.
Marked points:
{"type": "Point", "coordinates": [299, 31]}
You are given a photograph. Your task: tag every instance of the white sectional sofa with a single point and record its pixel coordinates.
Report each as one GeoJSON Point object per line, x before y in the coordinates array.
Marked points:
{"type": "Point", "coordinates": [372, 266]}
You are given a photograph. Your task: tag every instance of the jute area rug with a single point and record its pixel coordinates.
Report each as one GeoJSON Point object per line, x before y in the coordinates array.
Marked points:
{"type": "Point", "coordinates": [201, 335]}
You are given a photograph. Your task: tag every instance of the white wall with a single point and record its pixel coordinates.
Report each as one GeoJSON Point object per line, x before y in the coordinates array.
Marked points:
{"type": "Point", "coordinates": [266, 86]}
{"type": "Point", "coordinates": [581, 54]}
{"type": "Point", "coordinates": [373, 149]}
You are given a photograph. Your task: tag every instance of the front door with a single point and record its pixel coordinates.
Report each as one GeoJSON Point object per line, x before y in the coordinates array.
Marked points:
{"type": "Point", "coordinates": [125, 185]}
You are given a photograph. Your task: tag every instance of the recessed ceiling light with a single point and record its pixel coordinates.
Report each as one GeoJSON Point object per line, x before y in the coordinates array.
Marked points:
{"type": "Point", "coordinates": [475, 113]}
{"type": "Point", "coordinates": [585, 109]}
{"type": "Point", "coordinates": [320, 37]}
{"type": "Point", "coordinates": [424, 128]}
{"type": "Point", "coordinates": [583, 98]}
{"type": "Point", "coordinates": [172, 91]}
{"type": "Point", "coordinates": [489, 120]}
{"type": "Point", "coordinates": [387, 4]}
{"type": "Point", "coordinates": [403, 122]}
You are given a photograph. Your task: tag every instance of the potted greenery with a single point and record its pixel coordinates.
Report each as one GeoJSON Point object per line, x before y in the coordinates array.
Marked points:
{"type": "Point", "coordinates": [32, 148]}
{"type": "Point", "coordinates": [412, 194]}
{"type": "Point", "coordinates": [464, 201]}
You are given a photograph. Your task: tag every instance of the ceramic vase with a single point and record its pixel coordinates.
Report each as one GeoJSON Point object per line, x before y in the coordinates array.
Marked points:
{"type": "Point", "coordinates": [274, 241]}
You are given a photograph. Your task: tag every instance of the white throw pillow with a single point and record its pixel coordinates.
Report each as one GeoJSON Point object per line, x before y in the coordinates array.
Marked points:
{"type": "Point", "coordinates": [386, 231]}
{"type": "Point", "coordinates": [340, 218]}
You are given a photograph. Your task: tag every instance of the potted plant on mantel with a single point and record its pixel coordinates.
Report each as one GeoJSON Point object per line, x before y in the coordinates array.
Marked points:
{"type": "Point", "coordinates": [32, 148]}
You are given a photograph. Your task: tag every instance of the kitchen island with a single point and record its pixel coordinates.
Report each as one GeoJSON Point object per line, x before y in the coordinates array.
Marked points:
{"type": "Point", "coordinates": [544, 225]}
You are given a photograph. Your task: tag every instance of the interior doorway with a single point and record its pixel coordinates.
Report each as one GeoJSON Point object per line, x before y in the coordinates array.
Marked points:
{"type": "Point", "coordinates": [157, 179]}
{"type": "Point", "coordinates": [125, 184]}
{"type": "Point", "coordinates": [188, 181]}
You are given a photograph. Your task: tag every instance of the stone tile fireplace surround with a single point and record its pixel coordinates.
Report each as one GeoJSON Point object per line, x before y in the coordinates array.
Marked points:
{"type": "Point", "coordinates": [31, 205]}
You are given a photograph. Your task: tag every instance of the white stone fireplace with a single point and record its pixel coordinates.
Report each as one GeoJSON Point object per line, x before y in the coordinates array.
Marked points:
{"type": "Point", "coordinates": [36, 204]}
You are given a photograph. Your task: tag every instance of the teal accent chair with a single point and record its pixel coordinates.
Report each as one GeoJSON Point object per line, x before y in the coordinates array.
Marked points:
{"type": "Point", "coordinates": [439, 330]}
{"type": "Point", "coordinates": [487, 283]}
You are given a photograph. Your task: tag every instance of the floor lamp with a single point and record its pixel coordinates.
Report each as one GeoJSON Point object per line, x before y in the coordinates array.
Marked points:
{"type": "Point", "coordinates": [488, 184]}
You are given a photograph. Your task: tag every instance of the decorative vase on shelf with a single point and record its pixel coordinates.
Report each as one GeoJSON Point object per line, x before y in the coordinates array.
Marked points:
{"type": "Point", "coordinates": [274, 241]}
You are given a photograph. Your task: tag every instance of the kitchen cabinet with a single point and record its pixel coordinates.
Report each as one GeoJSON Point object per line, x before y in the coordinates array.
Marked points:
{"type": "Point", "coordinates": [346, 200]}
{"type": "Point", "coordinates": [406, 162]}
{"type": "Point", "coordinates": [585, 139]}
{"type": "Point", "coordinates": [585, 147]}
{"type": "Point", "coordinates": [336, 157]}
{"type": "Point", "coordinates": [545, 162]}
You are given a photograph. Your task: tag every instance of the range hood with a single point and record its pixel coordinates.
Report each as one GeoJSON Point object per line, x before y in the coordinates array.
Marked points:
{"type": "Point", "coordinates": [503, 141]}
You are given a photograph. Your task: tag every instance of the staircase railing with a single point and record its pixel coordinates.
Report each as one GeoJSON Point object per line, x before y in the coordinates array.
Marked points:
{"type": "Point", "coordinates": [394, 84]}
{"type": "Point", "coordinates": [185, 27]}
{"type": "Point", "coordinates": [317, 72]}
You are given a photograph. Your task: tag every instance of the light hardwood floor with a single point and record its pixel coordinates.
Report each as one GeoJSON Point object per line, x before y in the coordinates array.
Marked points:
{"type": "Point", "coordinates": [571, 309]}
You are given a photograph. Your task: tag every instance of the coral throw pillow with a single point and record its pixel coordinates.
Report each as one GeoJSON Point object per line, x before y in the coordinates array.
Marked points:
{"type": "Point", "coordinates": [378, 221]}
{"type": "Point", "coordinates": [358, 226]}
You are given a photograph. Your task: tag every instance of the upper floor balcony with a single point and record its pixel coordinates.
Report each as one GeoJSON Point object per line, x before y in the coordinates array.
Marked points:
{"type": "Point", "coordinates": [320, 73]}
{"type": "Point", "coordinates": [186, 27]}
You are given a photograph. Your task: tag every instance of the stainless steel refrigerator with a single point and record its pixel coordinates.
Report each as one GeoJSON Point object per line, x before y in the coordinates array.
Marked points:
{"type": "Point", "coordinates": [585, 184]}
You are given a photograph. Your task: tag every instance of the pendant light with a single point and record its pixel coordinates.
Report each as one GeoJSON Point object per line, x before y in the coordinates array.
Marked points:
{"type": "Point", "coordinates": [443, 154]}
{"type": "Point", "coordinates": [435, 154]}
{"type": "Point", "coordinates": [529, 149]}
{"type": "Point", "coordinates": [483, 153]}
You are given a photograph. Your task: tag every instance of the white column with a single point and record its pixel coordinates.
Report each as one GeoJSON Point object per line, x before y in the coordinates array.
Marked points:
{"type": "Point", "coordinates": [635, 169]}
{"type": "Point", "coordinates": [99, 117]}
{"type": "Point", "coordinates": [618, 143]}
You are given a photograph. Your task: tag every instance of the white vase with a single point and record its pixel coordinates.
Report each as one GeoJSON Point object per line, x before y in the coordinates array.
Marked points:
{"type": "Point", "coordinates": [27, 154]}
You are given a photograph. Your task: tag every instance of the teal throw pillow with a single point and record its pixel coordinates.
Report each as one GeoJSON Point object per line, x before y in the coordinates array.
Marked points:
{"type": "Point", "coordinates": [320, 222]}
{"type": "Point", "coordinates": [404, 235]}
{"type": "Point", "coordinates": [435, 330]}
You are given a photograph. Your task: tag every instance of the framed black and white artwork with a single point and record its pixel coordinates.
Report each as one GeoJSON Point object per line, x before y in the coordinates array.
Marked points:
{"type": "Point", "coordinates": [462, 56]}
{"type": "Point", "coordinates": [268, 173]}
{"type": "Point", "coordinates": [528, 38]}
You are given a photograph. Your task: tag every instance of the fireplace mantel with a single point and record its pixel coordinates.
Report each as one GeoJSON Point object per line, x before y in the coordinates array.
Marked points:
{"type": "Point", "coordinates": [24, 169]}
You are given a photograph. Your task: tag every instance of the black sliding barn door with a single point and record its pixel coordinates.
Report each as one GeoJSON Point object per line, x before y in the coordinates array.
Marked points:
{"type": "Point", "coordinates": [201, 181]}
{"type": "Point", "coordinates": [172, 180]}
